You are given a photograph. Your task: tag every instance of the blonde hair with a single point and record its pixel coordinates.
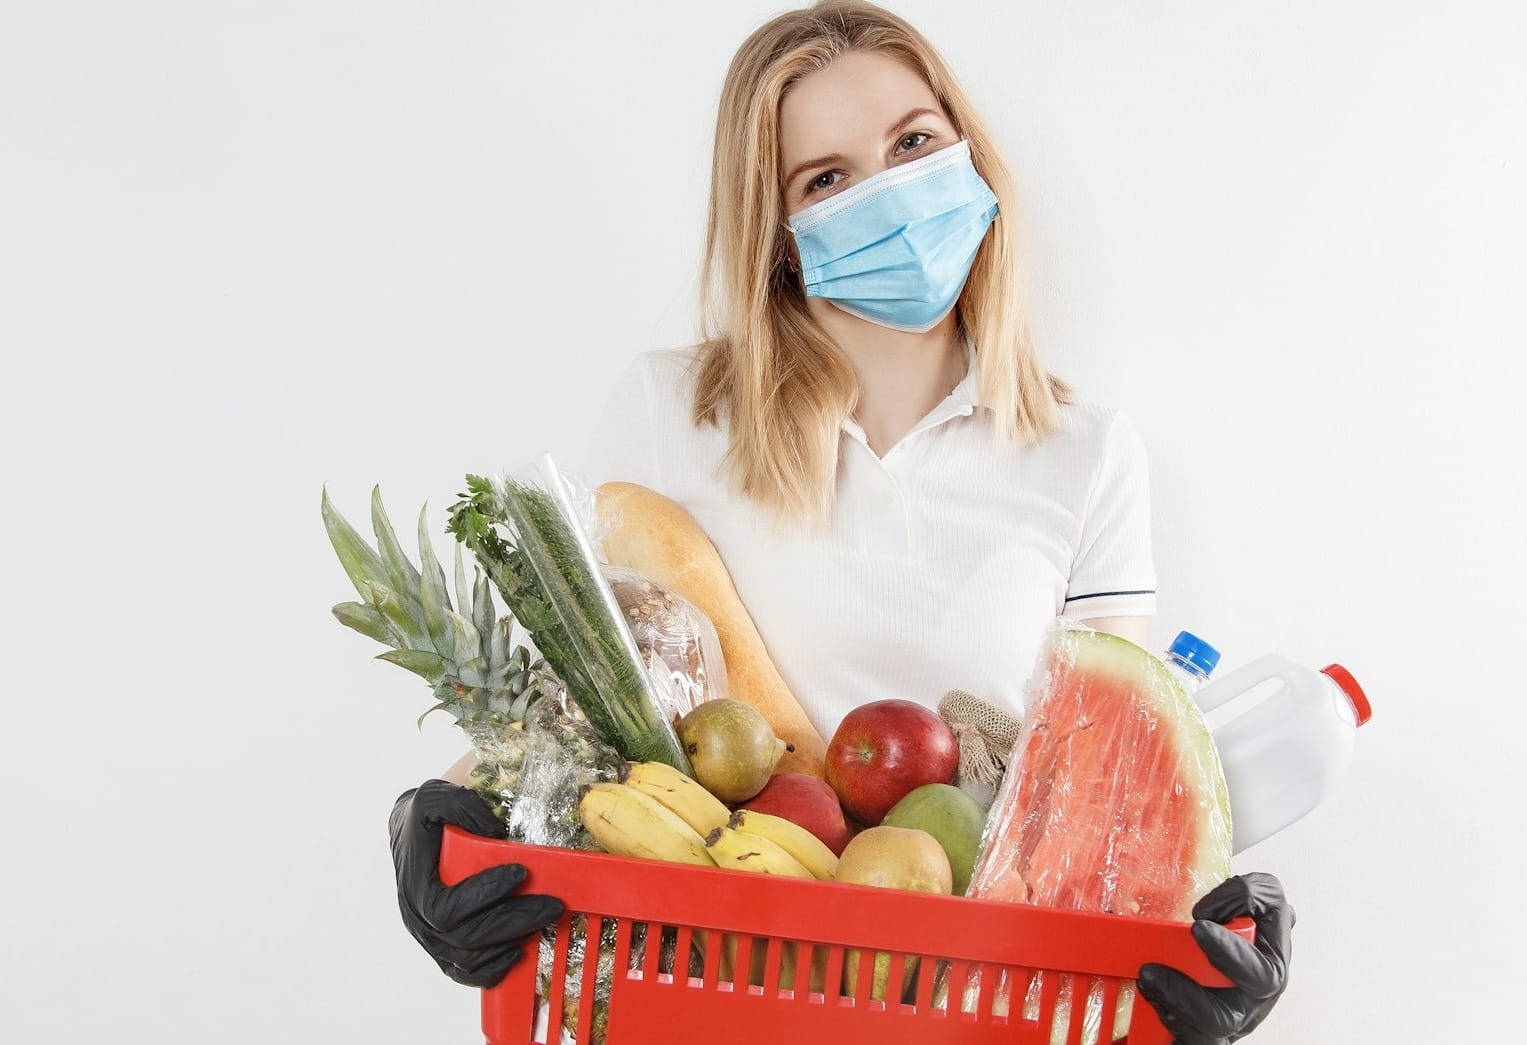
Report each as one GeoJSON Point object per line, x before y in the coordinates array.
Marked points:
{"type": "Point", "coordinates": [765, 365]}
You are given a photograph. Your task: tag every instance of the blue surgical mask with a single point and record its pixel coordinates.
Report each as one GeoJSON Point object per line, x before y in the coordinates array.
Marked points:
{"type": "Point", "coordinates": [896, 248]}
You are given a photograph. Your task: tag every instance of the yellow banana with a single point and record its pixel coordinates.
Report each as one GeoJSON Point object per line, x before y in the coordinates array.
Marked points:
{"type": "Point", "coordinates": [809, 850]}
{"type": "Point", "coordinates": [628, 822]}
{"type": "Point", "coordinates": [745, 852]}
{"type": "Point", "coordinates": [696, 806]}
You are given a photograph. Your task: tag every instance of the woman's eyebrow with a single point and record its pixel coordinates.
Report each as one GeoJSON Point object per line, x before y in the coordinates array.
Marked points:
{"type": "Point", "coordinates": [837, 157]}
{"type": "Point", "coordinates": [896, 127]}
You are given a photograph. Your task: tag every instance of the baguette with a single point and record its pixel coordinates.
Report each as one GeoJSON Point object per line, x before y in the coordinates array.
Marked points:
{"type": "Point", "coordinates": [652, 534]}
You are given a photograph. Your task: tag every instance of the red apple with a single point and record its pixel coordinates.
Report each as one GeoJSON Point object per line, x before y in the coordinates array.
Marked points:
{"type": "Point", "coordinates": [885, 749]}
{"type": "Point", "coordinates": [805, 800]}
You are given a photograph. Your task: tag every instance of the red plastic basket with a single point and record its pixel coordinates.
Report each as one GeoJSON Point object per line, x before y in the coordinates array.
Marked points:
{"type": "Point", "coordinates": [648, 1006]}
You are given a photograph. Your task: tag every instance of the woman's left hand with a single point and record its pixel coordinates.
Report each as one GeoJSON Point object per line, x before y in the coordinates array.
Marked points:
{"type": "Point", "coordinates": [1198, 1015]}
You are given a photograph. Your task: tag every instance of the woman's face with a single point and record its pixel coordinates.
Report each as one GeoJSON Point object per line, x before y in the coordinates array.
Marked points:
{"type": "Point", "coordinates": [862, 114]}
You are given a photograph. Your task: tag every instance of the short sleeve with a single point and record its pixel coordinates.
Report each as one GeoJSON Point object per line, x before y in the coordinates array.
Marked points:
{"type": "Point", "coordinates": [1113, 573]}
{"type": "Point", "coordinates": [623, 445]}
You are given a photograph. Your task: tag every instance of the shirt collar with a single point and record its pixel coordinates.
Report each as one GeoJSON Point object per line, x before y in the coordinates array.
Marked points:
{"type": "Point", "coordinates": [960, 402]}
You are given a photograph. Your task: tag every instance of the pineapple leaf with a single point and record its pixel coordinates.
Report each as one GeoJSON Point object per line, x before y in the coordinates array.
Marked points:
{"type": "Point", "coordinates": [401, 575]}
{"type": "Point", "coordinates": [429, 666]}
{"type": "Point", "coordinates": [436, 603]}
{"type": "Point", "coordinates": [482, 613]}
{"type": "Point", "coordinates": [498, 676]}
{"type": "Point", "coordinates": [367, 620]}
{"type": "Point", "coordinates": [463, 593]}
{"type": "Point", "coordinates": [390, 606]}
{"type": "Point", "coordinates": [442, 706]}
{"type": "Point", "coordinates": [468, 645]}
{"type": "Point", "coordinates": [474, 672]}
{"type": "Point", "coordinates": [498, 642]}
{"type": "Point", "coordinates": [361, 563]}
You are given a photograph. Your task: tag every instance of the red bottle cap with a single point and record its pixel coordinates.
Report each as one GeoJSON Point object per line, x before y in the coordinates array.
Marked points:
{"type": "Point", "coordinates": [1343, 678]}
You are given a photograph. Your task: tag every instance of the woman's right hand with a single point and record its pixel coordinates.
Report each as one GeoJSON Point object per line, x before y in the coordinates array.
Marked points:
{"type": "Point", "coordinates": [471, 929]}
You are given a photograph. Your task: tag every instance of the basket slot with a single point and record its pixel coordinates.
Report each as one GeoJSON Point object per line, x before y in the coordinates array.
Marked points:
{"type": "Point", "coordinates": [1074, 991]}
{"type": "Point", "coordinates": [985, 978]}
{"type": "Point", "coordinates": [860, 972]}
{"type": "Point", "coordinates": [773, 955]}
{"type": "Point", "coordinates": [794, 973]}
{"type": "Point", "coordinates": [1094, 1010]}
{"type": "Point", "coordinates": [683, 941]}
{"type": "Point", "coordinates": [832, 983]}
{"type": "Point", "coordinates": [650, 951]}
{"type": "Point", "coordinates": [813, 972]}
{"type": "Point", "coordinates": [810, 969]}
{"type": "Point", "coordinates": [989, 976]}
{"type": "Point", "coordinates": [1047, 988]}
{"type": "Point", "coordinates": [1013, 992]}
{"type": "Point", "coordinates": [929, 970]}
{"type": "Point", "coordinates": [589, 979]}
{"type": "Point", "coordinates": [922, 987]}
{"type": "Point", "coordinates": [791, 974]}
{"type": "Point", "coordinates": [667, 953]}
{"type": "Point", "coordinates": [557, 986]}
{"type": "Point", "coordinates": [739, 947]}
{"type": "Point", "coordinates": [1110, 1000]}
{"type": "Point", "coordinates": [710, 974]}
{"type": "Point", "coordinates": [896, 979]}
{"type": "Point", "coordinates": [961, 1001]}
{"type": "Point", "coordinates": [629, 961]}
{"type": "Point", "coordinates": [624, 928]}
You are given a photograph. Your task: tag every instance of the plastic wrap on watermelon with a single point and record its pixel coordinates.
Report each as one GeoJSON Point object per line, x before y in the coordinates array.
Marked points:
{"type": "Point", "coordinates": [1114, 800]}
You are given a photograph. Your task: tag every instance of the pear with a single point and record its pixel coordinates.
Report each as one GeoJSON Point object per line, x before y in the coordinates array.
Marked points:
{"type": "Point", "coordinates": [891, 858]}
{"type": "Point", "coordinates": [731, 748]}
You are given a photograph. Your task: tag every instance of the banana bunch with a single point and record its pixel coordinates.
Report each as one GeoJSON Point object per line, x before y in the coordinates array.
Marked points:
{"type": "Point", "coordinates": [629, 822]}
{"type": "Point", "coordinates": [766, 844]}
{"type": "Point", "coordinates": [658, 813]}
{"type": "Point", "coordinates": [754, 841]}
{"type": "Point", "coordinates": [655, 812]}
{"type": "Point", "coordinates": [680, 793]}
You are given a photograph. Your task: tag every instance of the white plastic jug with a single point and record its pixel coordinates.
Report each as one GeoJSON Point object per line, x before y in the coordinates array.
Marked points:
{"type": "Point", "coordinates": [1285, 737]}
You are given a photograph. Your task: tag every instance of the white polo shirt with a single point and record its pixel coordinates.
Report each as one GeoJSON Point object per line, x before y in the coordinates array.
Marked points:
{"type": "Point", "coordinates": [944, 560]}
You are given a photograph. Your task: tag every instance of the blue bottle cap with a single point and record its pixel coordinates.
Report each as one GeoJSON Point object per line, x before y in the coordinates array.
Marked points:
{"type": "Point", "coordinates": [1194, 652]}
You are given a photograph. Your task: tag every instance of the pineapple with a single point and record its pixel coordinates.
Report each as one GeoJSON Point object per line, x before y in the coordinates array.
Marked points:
{"type": "Point", "coordinates": [534, 749]}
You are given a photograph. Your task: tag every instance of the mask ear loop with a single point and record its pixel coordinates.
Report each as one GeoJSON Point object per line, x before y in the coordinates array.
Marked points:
{"type": "Point", "coordinates": [785, 261]}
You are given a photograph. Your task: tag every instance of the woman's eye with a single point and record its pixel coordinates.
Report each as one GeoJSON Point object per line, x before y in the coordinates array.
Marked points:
{"type": "Point", "coordinates": [817, 183]}
{"type": "Point", "coordinates": [820, 182]}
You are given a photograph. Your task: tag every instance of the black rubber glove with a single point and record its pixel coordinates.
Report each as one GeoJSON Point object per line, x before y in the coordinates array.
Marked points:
{"type": "Point", "coordinates": [1199, 1015]}
{"type": "Point", "coordinates": [471, 929]}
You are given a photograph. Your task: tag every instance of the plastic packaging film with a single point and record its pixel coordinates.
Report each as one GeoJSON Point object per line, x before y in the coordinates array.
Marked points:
{"type": "Point", "coordinates": [562, 755]}
{"type": "Point", "coordinates": [677, 641]}
{"type": "Point", "coordinates": [540, 769]}
{"type": "Point", "coordinates": [1113, 801]}
{"type": "Point", "coordinates": [595, 654]}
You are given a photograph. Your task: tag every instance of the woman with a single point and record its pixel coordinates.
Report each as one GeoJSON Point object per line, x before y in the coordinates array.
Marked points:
{"type": "Point", "coordinates": [903, 496]}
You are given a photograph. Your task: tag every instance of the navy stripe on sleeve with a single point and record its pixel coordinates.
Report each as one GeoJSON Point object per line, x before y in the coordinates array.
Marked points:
{"type": "Point", "coordinates": [1105, 594]}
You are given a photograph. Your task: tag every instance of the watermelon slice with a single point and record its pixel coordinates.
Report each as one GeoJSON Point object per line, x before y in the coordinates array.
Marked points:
{"type": "Point", "coordinates": [1114, 800]}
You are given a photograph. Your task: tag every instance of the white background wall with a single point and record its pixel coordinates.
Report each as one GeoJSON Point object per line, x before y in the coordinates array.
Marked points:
{"type": "Point", "coordinates": [250, 248]}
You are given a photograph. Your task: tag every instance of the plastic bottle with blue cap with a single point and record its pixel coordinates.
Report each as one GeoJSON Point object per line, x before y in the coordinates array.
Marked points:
{"type": "Point", "coordinates": [1191, 660]}
{"type": "Point", "coordinates": [1285, 733]}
